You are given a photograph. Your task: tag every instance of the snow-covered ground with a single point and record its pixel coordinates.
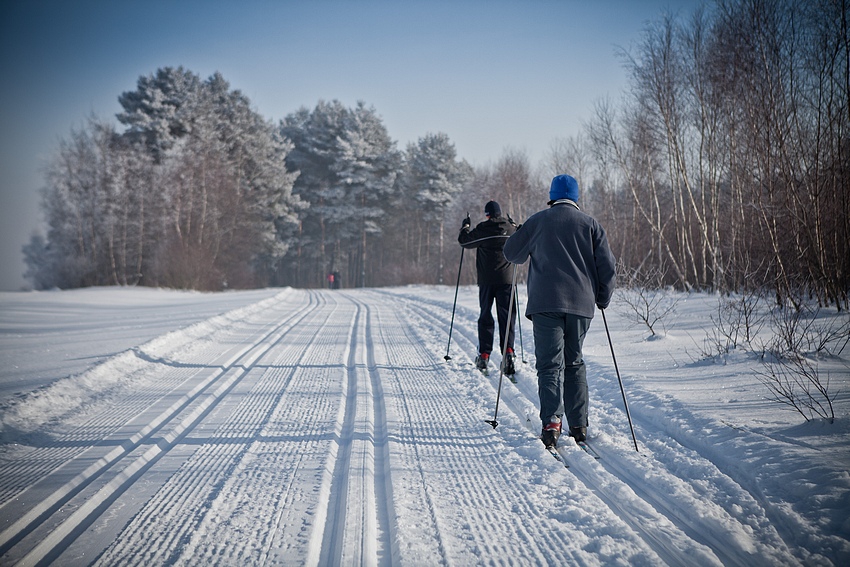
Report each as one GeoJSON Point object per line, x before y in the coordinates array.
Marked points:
{"type": "Point", "coordinates": [153, 427]}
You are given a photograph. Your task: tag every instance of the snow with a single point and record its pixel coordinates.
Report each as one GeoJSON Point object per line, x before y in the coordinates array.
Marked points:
{"type": "Point", "coordinates": [316, 427]}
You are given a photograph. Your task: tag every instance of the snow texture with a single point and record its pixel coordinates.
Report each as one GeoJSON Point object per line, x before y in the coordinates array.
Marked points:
{"type": "Point", "coordinates": [318, 427]}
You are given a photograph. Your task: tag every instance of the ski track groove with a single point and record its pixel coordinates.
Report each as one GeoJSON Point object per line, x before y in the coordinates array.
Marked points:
{"type": "Point", "coordinates": [738, 507]}
{"type": "Point", "coordinates": [657, 536]}
{"type": "Point", "coordinates": [161, 435]}
{"type": "Point", "coordinates": [720, 539]}
{"type": "Point", "coordinates": [349, 538]}
{"type": "Point", "coordinates": [353, 534]}
{"type": "Point", "coordinates": [405, 441]}
{"type": "Point", "coordinates": [21, 472]}
{"type": "Point", "coordinates": [60, 448]}
{"type": "Point", "coordinates": [367, 463]}
{"type": "Point", "coordinates": [214, 468]}
{"type": "Point", "coordinates": [655, 531]}
{"type": "Point", "coordinates": [444, 447]}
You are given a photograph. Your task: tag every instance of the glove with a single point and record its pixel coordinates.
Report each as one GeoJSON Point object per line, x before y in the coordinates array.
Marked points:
{"type": "Point", "coordinates": [466, 223]}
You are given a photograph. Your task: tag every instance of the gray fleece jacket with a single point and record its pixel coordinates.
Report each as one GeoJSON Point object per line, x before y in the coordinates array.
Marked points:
{"type": "Point", "coordinates": [572, 268]}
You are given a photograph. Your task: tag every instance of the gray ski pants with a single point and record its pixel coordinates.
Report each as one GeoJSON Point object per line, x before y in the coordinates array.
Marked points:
{"type": "Point", "coordinates": [561, 374]}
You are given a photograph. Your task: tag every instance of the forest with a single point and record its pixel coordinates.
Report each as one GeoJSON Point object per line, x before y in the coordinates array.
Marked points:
{"type": "Point", "coordinates": [724, 167]}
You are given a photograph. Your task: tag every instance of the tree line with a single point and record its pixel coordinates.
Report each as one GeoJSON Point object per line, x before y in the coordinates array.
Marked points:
{"type": "Point", "coordinates": [726, 166]}
{"type": "Point", "coordinates": [723, 167]}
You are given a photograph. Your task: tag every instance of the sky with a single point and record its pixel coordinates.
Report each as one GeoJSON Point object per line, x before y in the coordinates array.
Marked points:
{"type": "Point", "coordinates": [492, 75]}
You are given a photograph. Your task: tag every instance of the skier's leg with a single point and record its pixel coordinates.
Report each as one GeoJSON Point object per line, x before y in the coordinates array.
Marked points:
{"type": "Point", "coordinates": [504, 296]}
{"type": "Point", "coordinates": [549, 351]}
{"type": "Point", "coordinates": [486, 324]}
{"type": "Point", "coordinates": [576, 398]}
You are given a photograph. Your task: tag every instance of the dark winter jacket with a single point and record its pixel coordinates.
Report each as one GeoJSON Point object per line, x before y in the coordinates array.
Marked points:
{"type": "Point", "coordinates": [572, 268]}
{"type": "Point", "coordinates": [489, 238]}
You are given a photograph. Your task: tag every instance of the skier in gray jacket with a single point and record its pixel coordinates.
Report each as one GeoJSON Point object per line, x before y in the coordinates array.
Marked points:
{"type": "Point", "coordinates": [572, 271]}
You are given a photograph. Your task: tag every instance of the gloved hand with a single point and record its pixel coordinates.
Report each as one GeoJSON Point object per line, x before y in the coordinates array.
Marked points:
{"type": "Point", "coordinates": [466, 223]}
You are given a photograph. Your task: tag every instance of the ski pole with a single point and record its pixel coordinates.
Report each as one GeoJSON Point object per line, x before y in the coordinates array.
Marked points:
{"type": "Point", "coordinates": [623, 390]}
{"type": "Point", "coordinates": [457, 285]}
{"type": "Point", "coordinates": [519, 324]}
{"type": "Point", "coordinates": [494, 422]}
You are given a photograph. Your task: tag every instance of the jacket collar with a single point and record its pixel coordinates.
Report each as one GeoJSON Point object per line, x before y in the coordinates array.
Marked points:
{"type": "Point", "coordinates": [564, 202]}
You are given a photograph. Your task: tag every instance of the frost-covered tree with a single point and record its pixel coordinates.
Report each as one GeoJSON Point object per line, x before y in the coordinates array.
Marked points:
{"type": "Point", "coordinates": [194, 193]}
{"type": "Point", "coordinates": [433, 177]}
{"type": "Point", "coordinates": [231, 209]}
{"type": "Point", "coordinates": [162, 109]}
{"type": "Point", "coordinates": [314, 136]}
{"type": "Point", "coordinates": [347, 166]}
{"type": "Point", "coordinates": [79, 202]}
{"type": "Point", "coordinates": [104, 211]}
{"type": "Point", "coordinates": [366, 166]}
{"type": "Point", "coordinates": [40, 263]}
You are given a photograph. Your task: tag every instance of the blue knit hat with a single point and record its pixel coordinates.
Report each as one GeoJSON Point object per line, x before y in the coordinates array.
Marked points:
{"type": "Point", "coordinates": [492, 209]}
{"type": "Point", "coordinates": [563, 187]}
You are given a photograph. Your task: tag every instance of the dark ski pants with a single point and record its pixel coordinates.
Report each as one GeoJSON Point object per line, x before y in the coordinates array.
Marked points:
{"type": "Point", "coordinates": [561, 374]}
{"type": "Point", "coordinates": [502, 294]}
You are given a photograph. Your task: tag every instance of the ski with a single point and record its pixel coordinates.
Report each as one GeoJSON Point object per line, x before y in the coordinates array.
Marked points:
{"type": "Point", "coordinates": [588, 449]}
{"type": "Point", "coordinates": [554, 452]}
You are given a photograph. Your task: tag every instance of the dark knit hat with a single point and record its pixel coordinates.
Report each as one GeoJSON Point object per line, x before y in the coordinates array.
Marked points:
{"type": "Point", "coordinates": [492, 209]}
{"type": "Point", "coordinates": [563, 187]}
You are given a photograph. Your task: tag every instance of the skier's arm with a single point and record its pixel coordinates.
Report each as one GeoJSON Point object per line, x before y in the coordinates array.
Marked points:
{"type": "Point", "coordinates": [516, 247]}
{"type": "Point", "coordinates": [464, 236]}
{"type": "Point", "coordinates": [606, 269]}
{"type": "Point", "coordinates": [469, 238]}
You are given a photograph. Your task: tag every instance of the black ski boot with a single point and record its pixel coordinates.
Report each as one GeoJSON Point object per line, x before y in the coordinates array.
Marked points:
{"type": "Point", "coordinates": [481, 362]}
{"type": "Point", "coordinates": [551, 433]}
{"type": "Point", "coordinates": [578, 433]}
{"type": "Point", "coordinates": [510, 367]}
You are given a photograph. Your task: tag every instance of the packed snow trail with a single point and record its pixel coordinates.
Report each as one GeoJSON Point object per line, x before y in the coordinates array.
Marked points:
{"type": "Point", "coordinates": [681, 502]}
{"type": "Point", "coordinates": [312, 428]}
{"type": "Point", "coordinates": [324, 428]}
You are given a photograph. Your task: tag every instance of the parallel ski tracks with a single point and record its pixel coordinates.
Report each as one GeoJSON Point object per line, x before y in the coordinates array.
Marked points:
{"type": "Point", "coordinates": [676, 536]}
{"type": "Point", "coordinates": [258, 453]}
{"type": "Point", "coordinates": [357, 529]}
{"type": "Point", "coordinates": [377, 430]}
{"type": "Point", "coordinates": [291, 460]}
{"type": "Point", "coordinates": [435, 443]}
{"type": "Point", "coordinates": [53, 520]}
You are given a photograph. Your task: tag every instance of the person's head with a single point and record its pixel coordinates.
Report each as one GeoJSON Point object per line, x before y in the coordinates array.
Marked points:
{"type": "Point", "coordinates": [492, 210]}
{"type": "Point", "coordinates": [563, 187]}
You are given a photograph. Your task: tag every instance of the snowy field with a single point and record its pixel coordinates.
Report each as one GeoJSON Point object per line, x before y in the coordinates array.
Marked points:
{"type": "Point", "coordinates": [282, 426]}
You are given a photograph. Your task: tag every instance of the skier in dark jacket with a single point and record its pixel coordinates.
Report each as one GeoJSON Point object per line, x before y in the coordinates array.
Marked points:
{"type": "Point", "coordinates": [495, 276]}
{"type": "Point", "coordinates": [571, 273]}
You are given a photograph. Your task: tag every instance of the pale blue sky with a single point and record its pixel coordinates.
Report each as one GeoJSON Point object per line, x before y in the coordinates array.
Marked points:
{"type": "Point", "coordinates": [490, 74]}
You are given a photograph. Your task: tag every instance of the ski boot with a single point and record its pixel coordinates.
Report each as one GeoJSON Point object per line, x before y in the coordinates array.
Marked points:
{"type": "Point", "coordinates": [481, 362]}
{"type": "Point", "coordinates": [578, 433]}
{"type": "Point", "coordinates": [551, 433]}
{"type": "Point", "coordinates": [510, 365]}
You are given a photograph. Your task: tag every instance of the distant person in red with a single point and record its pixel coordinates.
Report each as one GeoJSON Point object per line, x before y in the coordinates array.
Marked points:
{"type": "Point", "coordinates": [331, 280]}
{"type": "Point", "coordinates": [495, 276]}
